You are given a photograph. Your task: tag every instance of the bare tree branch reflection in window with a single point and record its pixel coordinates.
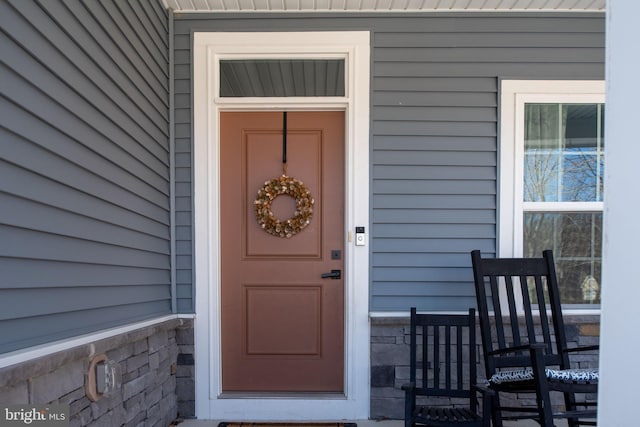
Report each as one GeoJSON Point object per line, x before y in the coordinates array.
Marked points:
{"type": "Point", "coordinates": [564, 162]}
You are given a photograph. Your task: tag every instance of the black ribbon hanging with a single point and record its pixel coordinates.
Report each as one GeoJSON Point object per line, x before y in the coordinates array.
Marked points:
{"type": "Point", "coordinates": [284, 143]}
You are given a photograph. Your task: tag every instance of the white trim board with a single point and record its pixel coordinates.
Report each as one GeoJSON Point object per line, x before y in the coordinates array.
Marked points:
{"type": "Point", "coordinates": [27, 354]}
{"type": "Point", "coordinates": [293, 6]}
{"type": "Point", "coordinates": [208, 49]}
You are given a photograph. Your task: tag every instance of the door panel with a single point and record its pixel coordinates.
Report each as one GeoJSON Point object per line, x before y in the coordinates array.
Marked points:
{"type": "Point", "coordinates": [282, 324]}
{"type": "Point", "coordinates": [264, 159]}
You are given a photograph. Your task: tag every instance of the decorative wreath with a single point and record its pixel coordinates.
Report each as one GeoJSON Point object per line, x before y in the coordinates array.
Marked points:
{"type": "Point", "coordinates": [304, 206]}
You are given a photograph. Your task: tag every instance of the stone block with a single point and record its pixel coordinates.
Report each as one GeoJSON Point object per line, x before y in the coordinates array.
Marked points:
{"type": "Point", "coordinates": [121, 353]}
{"type": "Point", "coordinates": [185, 359]}
{"type": "Point", "coordinates": [144, 369]}
{"type": "Point", "coordinates": [153, 415]}
{"type": "Point", "coordinates": [171, 403]}
{"type": "Point", "coordinates": [81, 418]}
{"type": "Point", "coordinates": [158, 340]}
{"type": "Point", "coordinates": [169, 386]}
{"type": "Point", "coordinates": [134, 407]}
{"type": "Point", "coordinates": [590, 329]}
{"type": "Point", "coordinates": [187, 349]}
{"type": "Point", "coordinates": [173, 353]}
{"type": "Point", "coordinates": [137, 421]}
{"type": "Point", "coordinates": [387, 409]}
{"type": "Point", "coordinates": [140, 346]}
{"type": "Point", "coordinates": [133, 387]}
{"type": "Point", "coordinates": [119, 414]}
{"type": "Point", "coordinates": [572, 332]}
{"type": "Point", "coordinates": [382, 376]}
{"type": "Point", "coordinates": [109, 419]}
{"type": "Point", "coordinates": [134, 363]}
{"type": "Point", "coordinates": [184, 336]}
{"type": "Point", "coordinates": [49, 387]}
{"type": "Point", "coordinates": [16, 394]}
{"type": "Point", "coordinates": [184, 371]}
{"type": "Point", "coordinates": [165, 365]}
{"type": "Point", "coordinates": [99, 408]}
{"type": "Point", "coordinates": [389, 354]}
{"type": "Point", "coordinates": [584, 357]}
{"type": "Point", "coordinates": [163, 353]}
{"type": "Point", "coordinates": [387, 392]}
{"type": "Point", "coordinates": [402, 373]}
{"type": "Point", "coordinates": [186, 389]}
{"type": "Point", "coordinates": [79, 405]}
{"type": "Point", "coordinates": [155, 379]}
{"type": "Point", "coordinates": [383, 340]}
{"type": "Point", "coordinates": [186, 409]}
{"type": "Point", "coordinates": [588, 340]}
{"type": "Point", "coordinates": [388, 331]}
{"type": "Point", "coordinates": [153, 396]}
{"type": "Point", "coordinates": [129, 376]}
{"type": "Point", "coordinates": [75, 421]}
{"type": "Point", "coordinates": [74, 396]}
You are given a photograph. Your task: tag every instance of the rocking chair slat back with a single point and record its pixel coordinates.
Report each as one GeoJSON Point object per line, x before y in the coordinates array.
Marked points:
{"type": "Point", "coordinates": [443, 390]}
{"type": "Point", "coordinates": [445, 368]}
{"type": "Point", "coordinates": [518, 305]}
{"type": "Point", "coordinates": [522, 330]}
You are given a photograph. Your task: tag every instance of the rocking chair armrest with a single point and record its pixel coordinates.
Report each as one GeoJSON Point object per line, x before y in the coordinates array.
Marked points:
{"type": "Point", "coordinates": [409, 386]}
{"type": "Point", "coordinates": [513, 349]}
{"type": "Point", "coordinates": [584, 348]}
{"type": "Point", "coordinates": [484, 390]}
{"type": "Point", "coordinates": [409, 402]}
{"type": "Point", "coordinates": [488, 396]}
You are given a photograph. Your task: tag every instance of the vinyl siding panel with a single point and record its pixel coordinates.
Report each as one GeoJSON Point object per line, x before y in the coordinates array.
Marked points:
{"type": "Point", "coordinates": [65, 324]}
{"type": "Point", "coordinates": [434, 131]}
{"type": "Point", "coordinates": [84, 168]}
{"type": "Point", "coordinates": [183, 174]}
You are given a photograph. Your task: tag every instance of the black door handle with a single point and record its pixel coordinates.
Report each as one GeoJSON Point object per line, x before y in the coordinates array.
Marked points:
{"type": "Point", "coordinates": [334, 274]}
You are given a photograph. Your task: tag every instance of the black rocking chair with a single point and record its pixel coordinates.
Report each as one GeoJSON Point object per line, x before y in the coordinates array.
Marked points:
{"type": "Point", "coordinates": [523, 355]}
{"type": "Point", "coordinates": [442, 391]}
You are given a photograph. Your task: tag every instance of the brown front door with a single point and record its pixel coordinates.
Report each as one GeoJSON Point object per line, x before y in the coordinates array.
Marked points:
{"type": "Point", "coordinates": [282, 324]}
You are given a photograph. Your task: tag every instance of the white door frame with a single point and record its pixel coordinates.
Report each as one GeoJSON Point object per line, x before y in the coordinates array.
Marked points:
{"type": "Point", "coordinates": [208, 49]}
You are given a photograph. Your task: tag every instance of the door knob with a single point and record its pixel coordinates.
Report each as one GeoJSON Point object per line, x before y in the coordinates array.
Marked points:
{"type": "Point", "coordinates": [334, 274]}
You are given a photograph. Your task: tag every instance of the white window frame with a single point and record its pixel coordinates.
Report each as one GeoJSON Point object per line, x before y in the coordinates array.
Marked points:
{"type": "Point", "coordinates": [514, 94]}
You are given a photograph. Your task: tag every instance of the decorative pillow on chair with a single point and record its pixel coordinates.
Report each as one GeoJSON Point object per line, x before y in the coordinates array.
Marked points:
{"type": "Point", "coordinates": [573, 376]}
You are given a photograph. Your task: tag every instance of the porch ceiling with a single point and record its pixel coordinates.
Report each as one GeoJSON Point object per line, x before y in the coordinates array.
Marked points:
{"type": "Point", "coordinates": [383, 5]}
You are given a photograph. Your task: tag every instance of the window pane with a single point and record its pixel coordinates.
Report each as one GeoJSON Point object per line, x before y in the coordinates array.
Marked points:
{"type": "Point", "coordinates": [564, 152]}
{"type": "Point", "coordinates": [282, 77]}
{"type": "Point", "coordinates": [576, 240]}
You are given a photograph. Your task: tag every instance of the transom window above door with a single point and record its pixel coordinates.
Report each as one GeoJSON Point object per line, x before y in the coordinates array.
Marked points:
{"type": "Point", "coordinates": [551, 179]}
{"type": "Point", "coordinates": [282, 78]}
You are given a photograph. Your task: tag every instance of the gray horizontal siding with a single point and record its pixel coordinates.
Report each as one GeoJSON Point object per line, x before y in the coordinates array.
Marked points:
{"type": "Point", "coordinates": [26, 273]}
{"type": "Point", "coordinates": [434, 132]}
{"type": "Point", "coordinates": [84, 168]}
{"type": "Point", "coordinates": [444, 199]}
{"type": "Point", "coordinates": [50, 301]}
{"type": "Point", "coordinates": [65, 324]}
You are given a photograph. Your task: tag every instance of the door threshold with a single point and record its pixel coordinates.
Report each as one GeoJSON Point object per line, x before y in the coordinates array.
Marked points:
{"type": "Point", "coordinates": [281, 395]}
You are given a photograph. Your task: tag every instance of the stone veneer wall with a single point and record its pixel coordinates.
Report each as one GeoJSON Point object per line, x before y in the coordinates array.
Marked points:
{"type": "Point", "coordinates": [390, 360]}
{"type": "Point", "coordinates": [148, 360]}
{"type": "Point", "coordinates": [185, 372]}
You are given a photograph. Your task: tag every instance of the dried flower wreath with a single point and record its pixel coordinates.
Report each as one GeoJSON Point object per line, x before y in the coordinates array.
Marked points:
{"type": "Point", "coordinates": [304, 206]}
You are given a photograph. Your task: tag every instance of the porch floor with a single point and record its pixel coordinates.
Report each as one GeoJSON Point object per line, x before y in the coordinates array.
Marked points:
{"type": "Point", "coordinates": [369, 423]}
